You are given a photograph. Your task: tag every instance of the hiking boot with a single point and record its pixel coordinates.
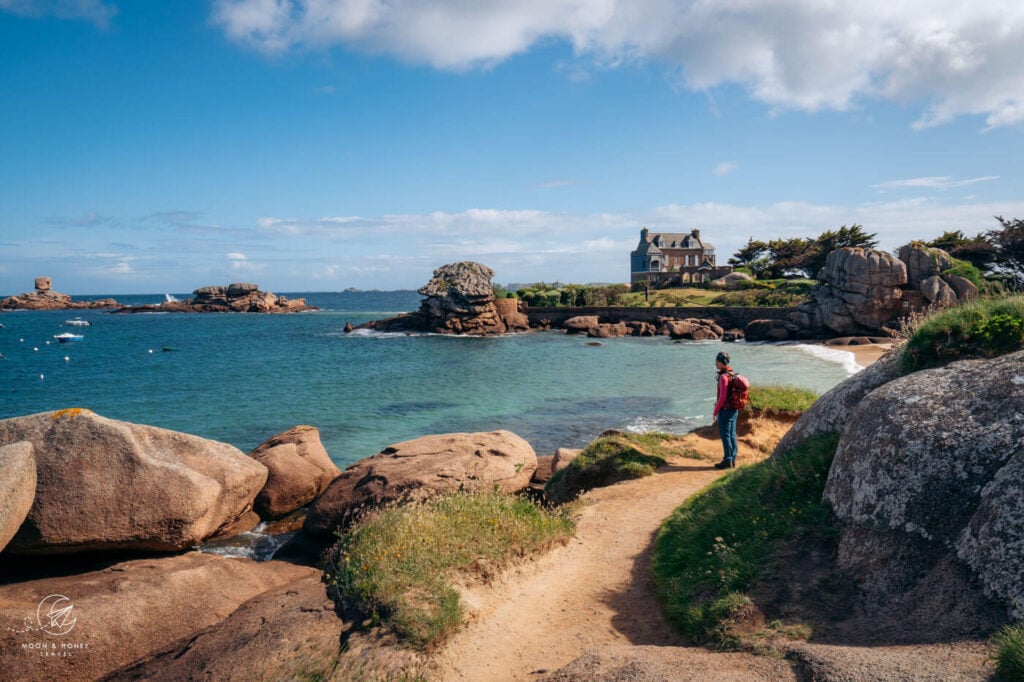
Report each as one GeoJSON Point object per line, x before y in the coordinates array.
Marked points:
{"type": "Point", "coordinates": [726, 464]}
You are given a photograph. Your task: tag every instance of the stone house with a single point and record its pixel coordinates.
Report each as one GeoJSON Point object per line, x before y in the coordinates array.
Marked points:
{"type": "Point", "coordinates": [663, 258]}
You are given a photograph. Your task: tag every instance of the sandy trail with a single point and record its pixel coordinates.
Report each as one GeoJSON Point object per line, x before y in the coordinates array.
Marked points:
{"type": "Point", "coordinates": [595, 592]}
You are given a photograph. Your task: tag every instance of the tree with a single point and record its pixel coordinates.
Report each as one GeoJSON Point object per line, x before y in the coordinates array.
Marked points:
{"type": "Point", "coordinates": [853, 236]}
{"type": "Point", "coordinates": [752, 256]}
{"type": "Point", "coordinates": [978, 250]}
{"type": "Point", "coordinates": [1009, 243]}
{"type": "Point", "coordinates": [789, 256]}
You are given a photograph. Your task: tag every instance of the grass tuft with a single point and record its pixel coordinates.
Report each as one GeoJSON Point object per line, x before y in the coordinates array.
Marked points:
{"type": "Point", "coordinates": [773, 397]}
{"type": "Point", "coordinates": [1009, 654]}
{"type": "Point", "coordinates": [714, 546]}
{"type": "Point", "coordinates": [611, 458]}
{"type": "Point", "coordinates": [395, 566]}
{"type": "Point", "coordinates": [982, 329]}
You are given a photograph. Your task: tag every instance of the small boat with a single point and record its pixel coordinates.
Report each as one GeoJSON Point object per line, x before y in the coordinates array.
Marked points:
{"type": "Point", "coordinates": [67, 336]}
{"type": "Point", "coordinates": [78, 322]}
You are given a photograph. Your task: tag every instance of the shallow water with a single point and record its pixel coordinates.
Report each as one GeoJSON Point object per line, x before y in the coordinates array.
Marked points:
{"type": "Point", "coordinates": [243, 378]}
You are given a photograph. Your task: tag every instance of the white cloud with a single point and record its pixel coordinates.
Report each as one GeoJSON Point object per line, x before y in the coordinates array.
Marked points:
{"type": "Point", "coordinates": [235, 256]}
{"type": "Point", "coordinates": [940, 182]}
{"type": "Point", "coordinates": [956, 58]}
{"type": "Point", "coordinates": [724, 168]}
{"type": "Point", "coordinates": [96, 11]}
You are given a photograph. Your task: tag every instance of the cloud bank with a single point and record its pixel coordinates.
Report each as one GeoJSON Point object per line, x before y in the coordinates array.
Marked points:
{"type": "Point", "coordinates": [955, 58]}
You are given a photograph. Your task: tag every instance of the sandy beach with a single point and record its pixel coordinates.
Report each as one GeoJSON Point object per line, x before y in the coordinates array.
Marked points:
{"type": "Point", "coordinates": [866, 354]}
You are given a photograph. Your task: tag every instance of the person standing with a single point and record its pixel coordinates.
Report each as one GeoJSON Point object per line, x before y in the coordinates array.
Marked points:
{"type": "Point", "coordinates": [725, 414]}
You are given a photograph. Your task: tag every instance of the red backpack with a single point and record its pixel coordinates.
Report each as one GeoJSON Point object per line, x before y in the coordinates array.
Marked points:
{"type": "Point", "coordinates": [737, 393]}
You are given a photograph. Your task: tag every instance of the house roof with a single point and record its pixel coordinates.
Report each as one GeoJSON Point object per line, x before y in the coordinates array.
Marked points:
{"type": "Point", "coordinates": [679, 240]}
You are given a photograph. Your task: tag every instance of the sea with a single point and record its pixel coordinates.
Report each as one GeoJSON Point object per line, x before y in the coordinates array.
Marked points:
{"type": "Point", "coordinates": [242, 378]}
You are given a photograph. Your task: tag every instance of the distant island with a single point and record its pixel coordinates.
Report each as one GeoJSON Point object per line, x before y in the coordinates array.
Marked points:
{"type": "Point", "coordinates": [239, 297]}
{"type": "Point", "coordinates": [45, 298]}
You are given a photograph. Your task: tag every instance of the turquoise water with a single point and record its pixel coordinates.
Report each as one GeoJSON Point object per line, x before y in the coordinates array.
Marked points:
{"type": "Point", "coordinates": [243, 378]}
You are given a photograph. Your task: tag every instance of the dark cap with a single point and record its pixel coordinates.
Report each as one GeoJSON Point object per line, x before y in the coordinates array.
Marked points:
{"type": "Point", "coordinates": [722, 358]}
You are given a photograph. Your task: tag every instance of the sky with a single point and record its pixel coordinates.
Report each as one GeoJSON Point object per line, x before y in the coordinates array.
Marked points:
{"type": "Point", "coordinates": [316, 145]}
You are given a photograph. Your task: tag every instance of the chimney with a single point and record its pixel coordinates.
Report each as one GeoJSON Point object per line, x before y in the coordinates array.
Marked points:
{"type": "Point", "coordinates": [696, 234]}
{"type": "Point", "coordinates": [643, 234]}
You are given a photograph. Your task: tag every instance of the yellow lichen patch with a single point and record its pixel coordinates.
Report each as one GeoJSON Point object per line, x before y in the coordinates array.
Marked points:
{"type": "Point", "coordinates": [70, 412]}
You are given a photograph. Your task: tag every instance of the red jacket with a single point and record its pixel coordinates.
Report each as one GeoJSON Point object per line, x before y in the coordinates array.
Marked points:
{"type": "Point", "coordinates": [723, 389]}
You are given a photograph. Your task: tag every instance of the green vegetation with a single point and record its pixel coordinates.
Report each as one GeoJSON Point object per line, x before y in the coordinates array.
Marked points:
{"type": "Point", "coordinates": [778, 293]}
{"type": "Point", "coordinates": [981, 329]}
{"type": "Point", "coordinates": [1009, 655]}
{"type": "Point", "coordinates": [962, 268]}
{"type": "Point", "coordinates": [781, 398]}
{"type": "Point", "coordinates": [669, 298]}
{"type": "Point", "coordinates": [797, 255]}
{"type": "Point", "coordinates": [610, 458]}
{"type": "Point", "coordinates": [716, 544]}
{"type": "Point", "coordinates": [395, 566]}
{"type": "Point", "coordinates": [574, 295]}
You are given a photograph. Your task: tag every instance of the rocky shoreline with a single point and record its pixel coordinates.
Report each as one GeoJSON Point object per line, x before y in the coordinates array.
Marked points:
{"type": "Point", "coordinates": [92, 505]}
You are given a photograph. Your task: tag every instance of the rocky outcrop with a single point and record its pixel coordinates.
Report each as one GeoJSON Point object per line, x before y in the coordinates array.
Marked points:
{"type": "Point", "coordinates": [44, 298]}
{"type": "Point", "coordinates": [112, 485]}
{"type": "Point", "coordinates": [860, 291]}
{"type": "Point", "coordinates": [771, 330]}
{"type": "Point", "coordinates": [864, 291]}
{"type": "Point", "coordinates": [829, 413]}
{"type": "Point", "coordinates": [287, 633]}
{"type": "Point", "coordinates": [17, 488]}
{"type": "Point", "coordinates": [126, 612]}
{"type": "Point", "coordinates": [926, 487]}
{"type": "Point", "coordinates": [580, 324]}
{"type": "Point", "coordinates": [421, 468]}
{"type": "Point", "coordinates": [298, 468]}
{"type": "Point", "coordinates": [459, 300]}
{"type": "Point", "coordinates": [691, 329]}
{"type": "Point", "coordinates": [239, 297]}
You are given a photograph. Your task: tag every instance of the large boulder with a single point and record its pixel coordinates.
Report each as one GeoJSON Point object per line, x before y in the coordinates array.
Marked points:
{"type": "Point", "coordinates": [421, 468]}
{"type": "Point", "coordinates": [288, 633]}
{"type": "Point", "coordinates": [860, 292]}
{"type": "Point", "coordinates": [580, 324]}
{"type": "Point", "coordinates": [17, 487]}
{"type": "Point", "coordinates": [734, 280]}
{"type": "Point", "coordinates": [298, 468]}
{"type": "Point", "coordinates": [923, 262]}
{"type": "Point", "coordinates": [459, 300]}
{"type": "Point", "coordinates": [926, 485]}
{"type": "Point", "coordinates": [770, 330]}
{"type": "Point", "coordinates": [828, 414]}
{"type": "Point", "coordinates": [125, 612]}
{"type": "Point", "coordinates": [112, 485]}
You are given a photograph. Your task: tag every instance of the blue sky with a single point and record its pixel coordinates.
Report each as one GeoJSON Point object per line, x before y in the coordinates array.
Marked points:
{"type": "Point", "coordinates": [314, 145]}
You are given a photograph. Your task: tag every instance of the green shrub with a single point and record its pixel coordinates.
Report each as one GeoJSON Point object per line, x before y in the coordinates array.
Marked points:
{"type": "Point", "coordinates": [962, 268]}
{"type": "Point", "coordinates": [979, 329]}
{"type": "Point", "coordinates": [1009, 655]}
{"type": "Point", "coordinates": [712, 547]}
{"type": "Point", "coordinates": [395, 565]}
{"type": "Point", "coordinates": [607, 460]}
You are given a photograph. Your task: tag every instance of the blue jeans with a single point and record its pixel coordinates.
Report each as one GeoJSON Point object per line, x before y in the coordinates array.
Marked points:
{"type": "Point", "coordinates": [727, 430]}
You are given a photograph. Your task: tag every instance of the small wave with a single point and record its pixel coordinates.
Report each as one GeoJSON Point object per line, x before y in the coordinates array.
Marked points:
{"type": "Point", "coordinates": [842, 357]}
{"type": "Point", "coordinates": [249, 545]}
{"type": "Point", "coordinates": [666, 423]}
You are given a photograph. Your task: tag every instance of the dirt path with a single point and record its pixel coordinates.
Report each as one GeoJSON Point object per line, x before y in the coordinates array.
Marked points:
{"type": "Point", "coordinates": [596, 592]}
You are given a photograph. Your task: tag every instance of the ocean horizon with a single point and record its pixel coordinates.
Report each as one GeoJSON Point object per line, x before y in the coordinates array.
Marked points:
{"type": "Point", "coordinates": [242, 378]}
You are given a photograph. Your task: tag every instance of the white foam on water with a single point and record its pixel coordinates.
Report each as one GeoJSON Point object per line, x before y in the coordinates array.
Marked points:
{"type": "Point", "coordinates": [842, 357]}
{"type": "Point", "coordinates": [665, 423]}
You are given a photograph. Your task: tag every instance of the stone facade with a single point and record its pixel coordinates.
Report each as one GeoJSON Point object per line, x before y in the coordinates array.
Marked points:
{"type": "Point", "coordinates": [663, 258]}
